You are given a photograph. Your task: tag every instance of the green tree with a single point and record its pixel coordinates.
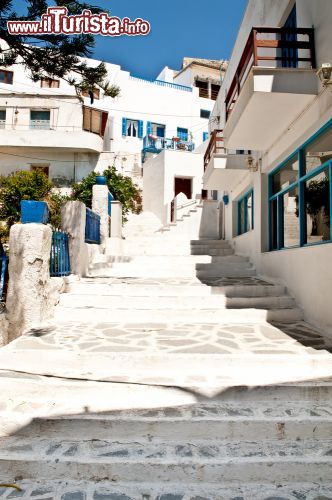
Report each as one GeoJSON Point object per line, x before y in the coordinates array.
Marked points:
{"type": "Point", "coordinates": [22, 185]}
{"type": "Point", "coordinates": [121, 187]}
{"type": "Point", "coordinates": [56, 56]}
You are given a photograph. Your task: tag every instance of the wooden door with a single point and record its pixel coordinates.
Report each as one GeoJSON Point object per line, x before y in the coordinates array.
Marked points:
{"type": "Point", "coordinates": [184, 186]}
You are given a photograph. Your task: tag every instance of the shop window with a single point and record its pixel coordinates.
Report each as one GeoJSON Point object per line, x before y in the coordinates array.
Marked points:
{"type": "Point", "coordinates": [300, 196]}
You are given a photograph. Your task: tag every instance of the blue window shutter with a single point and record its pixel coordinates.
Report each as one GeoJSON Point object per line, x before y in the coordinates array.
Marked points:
{"type": "Point", "coordinates": [124, 126]}
{"type": "Point", "coordinates": [205, 136]}
{"type": "Point", "coordinates": [148, 128]}
{"type": "Point", "coordinates": [140, 129]}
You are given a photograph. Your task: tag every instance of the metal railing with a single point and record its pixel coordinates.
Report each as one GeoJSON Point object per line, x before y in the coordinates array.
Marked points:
{"type": "Point", "coordinates": [170, 85]}
{"type": "Point", "coordinates": [92, 227]}
{"type": "Point", "coordinates": [157, 144]}
{"type": "Point", "coordinates": [3, 273]}
{"type": "Point", "coordinates": [60, 260]}
{"type": "Point", "coordinates": [215, 146]}
{"type": "Point", "coordinates": [40, 124]}
{"type": "Point", "coordinates": [282, 50]}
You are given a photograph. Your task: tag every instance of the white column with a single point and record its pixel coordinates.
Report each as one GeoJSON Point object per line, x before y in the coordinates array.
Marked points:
{"type": "Point", "coordinates": [28, 301]}
{"type": "Point", "coordinates": [100, 207]}
{"type": "Point", "coordinates": [73, 217]}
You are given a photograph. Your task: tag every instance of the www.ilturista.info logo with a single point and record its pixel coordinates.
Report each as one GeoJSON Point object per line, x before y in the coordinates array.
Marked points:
{"type": "Point", "coordinates": [56, 21]}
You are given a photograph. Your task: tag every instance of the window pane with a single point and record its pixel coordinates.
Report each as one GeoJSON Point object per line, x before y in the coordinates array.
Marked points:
{"type": "Point", "coordinates": [319, 151]}
{"type": "Point", "coordinates": [286, 175]}
{"type": "Point", "coordinates": [132, 128]}
{"type": "Point", "coordinates": [182, 133]}
{"type": "Point", "coordinates": [40, 115]}
{"type": "Point", "coordinates": [242, 228]}
{"type": "Point", "coordinates": [205, 113]}
{"type": "Point", "coordinates": [249, 213]}
{"type": "Point", "coordinates": [40, 119]}
{"type": "Point", "coordinates": [2, 114]}
{"type": "Point", "coordinates": [274, 224]}
{"type": "Point", "coordinates": [317, 201]}
{"type": "Point", "coordinates": [6, 76]}
{"type": "Point", "coordinates": [291, 218]}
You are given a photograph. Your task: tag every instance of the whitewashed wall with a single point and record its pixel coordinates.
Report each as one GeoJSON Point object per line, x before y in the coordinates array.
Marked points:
{"type": "Point", "coordinates": [158, 180]}
{"type": "Point", "coordinates": [305, 271]}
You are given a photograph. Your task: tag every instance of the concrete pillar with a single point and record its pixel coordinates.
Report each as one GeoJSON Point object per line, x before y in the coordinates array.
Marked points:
{"type": "Point", "coordinates": [116, 220]}
{"type": "Point", "coordinates": [210, 223]}
{"type": "Point", "coordinates": [100, 207]}
{"type": "Point", "coordinates": [28, 299]}
{"type": "Point", "coordinates": [73, 217]}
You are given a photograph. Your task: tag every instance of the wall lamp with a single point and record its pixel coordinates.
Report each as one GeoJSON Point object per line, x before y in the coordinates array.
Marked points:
{"type": "Point", "coordinates": [325, 73]}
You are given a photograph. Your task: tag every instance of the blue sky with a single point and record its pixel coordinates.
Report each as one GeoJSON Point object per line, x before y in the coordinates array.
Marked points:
{"type": "Point", "coordinates": [193, 28]}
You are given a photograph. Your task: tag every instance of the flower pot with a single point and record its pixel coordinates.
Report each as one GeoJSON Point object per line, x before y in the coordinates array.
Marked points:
{"type": "Point", "coordinates": [34, 211]}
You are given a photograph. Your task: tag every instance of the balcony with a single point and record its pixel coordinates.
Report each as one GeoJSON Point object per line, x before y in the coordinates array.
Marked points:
{"type": "Point", "coordinates": [223, 168]}
{"type": "Point", "coordinates": [66, 137]}
{"type": "Point", "coordinates": [153, 144]}
{"type": "Point", "coordinates": [274, 81]}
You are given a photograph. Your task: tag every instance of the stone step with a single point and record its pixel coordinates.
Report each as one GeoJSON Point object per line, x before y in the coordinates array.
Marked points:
{"type": "Point", "coordinates": [112, 302]}
{"type": "Point", "coordinates": [179, 469]}
{"type": "Point", "coordinates": [209, 244]}
{"type": "Point", "coordinates": [219, 315]}
{"type": "Point", "coordinates": [214, 271]}
{"type": "Point", "coordinates": [232, 262]}
{"type": "Point", "coordinates": [173, 364]}
{"type": "Point", "coordinates": [180, 465]}
{"type": "Point", "coordinates": [108, 490]}
{"type": "Point", "coordinates": [205, 250]}
{"type": "Point", "coordinates": [86, 287]}
{"type": "Point", "coordinates": [112, 449]}
{"type": "Point", "coordinates": [232, 430]}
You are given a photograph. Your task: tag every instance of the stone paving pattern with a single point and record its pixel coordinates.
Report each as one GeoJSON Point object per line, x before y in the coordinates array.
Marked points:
{"type": "Point", "coordinates": [87, 491]}
{"type": "Point", "coordinates": [177, 338]}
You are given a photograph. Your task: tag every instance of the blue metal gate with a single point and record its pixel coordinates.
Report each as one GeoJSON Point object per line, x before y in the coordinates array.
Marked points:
{"type": "Point", "coordinates": [92, 227]}
{"type": "Point", "coordinates": [60, 261]}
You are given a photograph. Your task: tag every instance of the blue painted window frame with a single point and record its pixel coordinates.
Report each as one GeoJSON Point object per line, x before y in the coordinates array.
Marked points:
{"type": "Point", "coordinates": [245, 228]}
{"type": "Point", "coordinates": [139, 127]}
{"type": "Point", "coordinates": [205, 136]}
{"type": "Point", "coordinates": [300, 183]}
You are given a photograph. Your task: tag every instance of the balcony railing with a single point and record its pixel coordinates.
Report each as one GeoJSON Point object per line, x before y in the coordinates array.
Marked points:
{"type": "Point", "coordinates": [162, 83]}
{"type": "Point", "coordinates": [40, 124]}
{"type": "Point", "coordinates": [156, 144]}
{"type": "Point", "coordinates": [283, 48]}
{"type": "Point", "coordinates": [216, 146]}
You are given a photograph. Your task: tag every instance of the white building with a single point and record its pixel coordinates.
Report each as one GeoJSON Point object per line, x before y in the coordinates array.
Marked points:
{"type": "Point", "coordinates": [271, 150]}
{"type": "Point", "coordinates": [46, 125]}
